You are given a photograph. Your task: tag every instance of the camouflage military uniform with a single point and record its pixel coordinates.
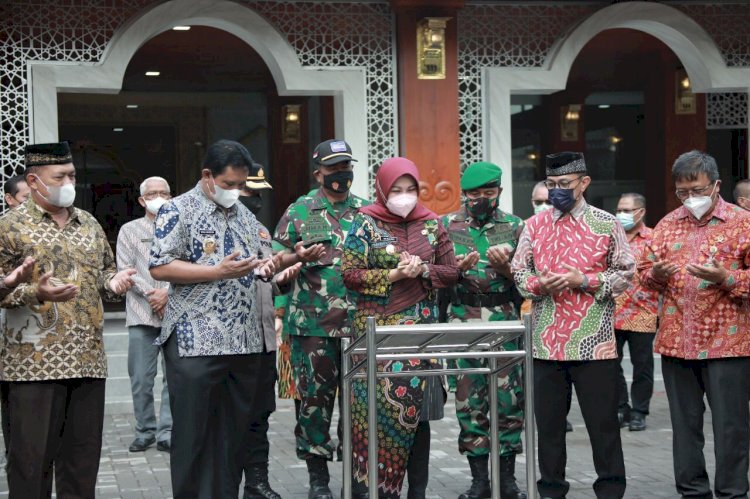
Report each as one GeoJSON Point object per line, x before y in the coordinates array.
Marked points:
{"type": "Point", "coordinates": [318, 314]}
{"type": "Point", "coordinates": [472, 399]}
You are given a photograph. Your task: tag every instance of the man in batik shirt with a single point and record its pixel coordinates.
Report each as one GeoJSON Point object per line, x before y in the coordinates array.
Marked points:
{"type": "Point", "coordinates": [312, 231]}
{"type": "Point", "coordinates": [635, 321]}
{"type": "Point", "coordinates": [486, 292]}
{"type": "Point", "coordinates": [208, 247]}
{"type": "Point", "coordinates": [698, 259]}
{"type": "Point", "coordinates": [54, 356]}
{"type": "Point", "coordinates": [572, 261]}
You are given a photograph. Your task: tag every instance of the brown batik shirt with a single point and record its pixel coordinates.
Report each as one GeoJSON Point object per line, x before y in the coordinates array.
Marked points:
{"type": "Point", "coordinates": [45, 341]}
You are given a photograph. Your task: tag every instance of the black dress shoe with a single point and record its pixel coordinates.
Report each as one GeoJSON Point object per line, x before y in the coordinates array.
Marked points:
{"type": "Point", "coordinates": [637, 422]}
{"type": "Point", "coordinates": [164, 445]}
{"type": "Point", "coordinates": [623, 417]}
{"type": "Point", "coordinates": [141, 444]}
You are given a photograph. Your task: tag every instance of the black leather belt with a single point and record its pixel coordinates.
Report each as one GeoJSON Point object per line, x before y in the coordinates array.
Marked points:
{"type": "Point", "coordinates": [481, 299]}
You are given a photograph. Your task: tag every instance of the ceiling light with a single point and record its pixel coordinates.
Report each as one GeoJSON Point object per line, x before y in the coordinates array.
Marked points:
{"type": "Point", "coordinates": [152, 73]}
{"type": "Point", "coordinates": [603, 106]}
{"type": "Point", "coordinates": [132, 106]}
{"type": "Point", "coordinates": [181, 28]}
{"type": "Point", "coordinates": [117, 129]}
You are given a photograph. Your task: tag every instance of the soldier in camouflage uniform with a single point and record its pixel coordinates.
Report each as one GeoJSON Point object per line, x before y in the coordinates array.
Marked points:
{"type": "Point", "coordinates": [312, 231]}
{"type": "Point", "coordinates": [486, 293]}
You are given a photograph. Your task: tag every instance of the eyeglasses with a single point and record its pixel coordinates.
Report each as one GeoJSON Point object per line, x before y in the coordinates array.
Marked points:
{"type": "Point", "coordinates": [683, 194]}
{"type": "Point", "coordinates": [153, 195]}
{"type": "Point", "coordinates": [538, 202]}
{"type": "Point", "coordinates": [625, 210]}
{"type": "Point", "coordinates": [563, 184]}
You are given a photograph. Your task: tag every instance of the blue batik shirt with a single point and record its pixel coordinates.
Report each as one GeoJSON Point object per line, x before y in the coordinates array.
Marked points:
{"type": "Point", "coordinates": [216, 317]}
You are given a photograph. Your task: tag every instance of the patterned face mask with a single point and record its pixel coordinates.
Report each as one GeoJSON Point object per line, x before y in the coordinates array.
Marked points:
{"type": "Point", "coordinates": [481, 208]}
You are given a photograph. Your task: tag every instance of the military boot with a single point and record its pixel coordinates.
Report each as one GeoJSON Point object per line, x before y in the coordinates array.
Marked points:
{"type": "Point", "coordinates": [508, 486]}
{"type": "Point", "coordinates": [480, 479]}
{"type": "Point", "coordinates": [256, 483]}
{"type": "Point", "coordinates": [317, 468]}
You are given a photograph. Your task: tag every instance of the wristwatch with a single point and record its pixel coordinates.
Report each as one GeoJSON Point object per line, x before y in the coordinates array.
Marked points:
{"type": "Point", "coordinates": [426, 273]}
{"type": "Point", "coordinates": [585, 282]}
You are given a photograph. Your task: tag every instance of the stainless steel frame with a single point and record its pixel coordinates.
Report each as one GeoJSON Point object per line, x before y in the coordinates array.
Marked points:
{"type": "Point", "coordinates": [437, 341]}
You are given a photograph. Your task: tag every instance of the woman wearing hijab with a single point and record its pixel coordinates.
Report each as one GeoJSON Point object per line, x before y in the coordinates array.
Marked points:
{"type": "Point", "coordinates": [396, 255]}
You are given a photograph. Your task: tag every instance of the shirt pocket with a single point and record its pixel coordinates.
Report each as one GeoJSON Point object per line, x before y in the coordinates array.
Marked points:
{"type": "Point", "coordinates": [331, 253]}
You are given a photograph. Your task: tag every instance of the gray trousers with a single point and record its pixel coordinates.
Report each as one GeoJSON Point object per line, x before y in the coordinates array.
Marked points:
{"type": "Point", "coordinates": [142, 358]}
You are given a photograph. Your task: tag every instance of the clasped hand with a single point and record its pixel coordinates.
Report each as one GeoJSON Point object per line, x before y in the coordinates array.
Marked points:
{"type": "Point", "coordinates": [555, 282]}
{"type": "Point", "coordinates": [409, 267]}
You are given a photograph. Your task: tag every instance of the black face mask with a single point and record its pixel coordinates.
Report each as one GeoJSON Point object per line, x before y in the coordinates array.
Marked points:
{"type": "Point", "coordinates": [481, 208]}
{"type": "Point", "coordinates": [252, 203]}
{"type": "Point", "coordinates": [339, 182]}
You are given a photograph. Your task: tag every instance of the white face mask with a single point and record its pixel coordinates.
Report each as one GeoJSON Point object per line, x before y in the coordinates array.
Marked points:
{"type": "Point", "coordinates": [153, 205]}
{"type": "Point", "coordinates": [401, 204]}
{"type": "Point", "coordinates": [225, 197]}
{"type": "Point", "coordinates": [61, 196]}
{"type": "Point", "coordinates": [699, 205]}
{"type": "Point", "coordinates": [538, 208]}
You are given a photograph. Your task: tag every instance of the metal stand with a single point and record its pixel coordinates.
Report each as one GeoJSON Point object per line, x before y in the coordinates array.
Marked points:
{"type": "Point", "coordinates": [482, 340]}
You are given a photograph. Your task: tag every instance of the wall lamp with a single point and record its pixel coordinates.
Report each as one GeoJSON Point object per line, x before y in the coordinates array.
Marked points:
{"type": "Point", "coordinates": [291, 131]}
{"type": "Point", "coordinates": [431, 48]}
{"type": "Point", "coordinates": [684, 101]}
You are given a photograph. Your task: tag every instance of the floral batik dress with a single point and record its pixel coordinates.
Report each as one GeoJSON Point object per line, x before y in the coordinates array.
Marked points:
{"type": "Point", "coordinates": [371, 250]}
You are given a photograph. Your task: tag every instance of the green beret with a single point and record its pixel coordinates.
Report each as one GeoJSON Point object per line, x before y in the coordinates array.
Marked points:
{"type": "Point", "coordinates": [481, 174]}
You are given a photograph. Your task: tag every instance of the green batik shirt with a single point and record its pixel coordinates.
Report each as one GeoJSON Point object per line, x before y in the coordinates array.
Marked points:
{"type": "Point", "coordinates": [320, 304]}
{"type": "Point", "coordinates": [469, 235]}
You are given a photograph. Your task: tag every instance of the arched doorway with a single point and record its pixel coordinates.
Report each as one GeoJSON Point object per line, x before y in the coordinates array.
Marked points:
{"type": "Point", "coordinates": [347, 86]}
{"type": "Point", "coordinates": [693, 47]}
{"type": "Point", "coordinates": [182, 90]}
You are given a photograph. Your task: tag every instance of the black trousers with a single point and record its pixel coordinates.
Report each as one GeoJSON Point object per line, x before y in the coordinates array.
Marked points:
{"type": "Point", "coordinates": [594, 383]}
{"type": "Point", "coordinates": [265, 404]}
{"type": "Point", "coordinates": [641, 346]}
{"type": "Point", "coordinates": [726, 385]}
{"type": "Point", "coordinates": [56, 422]}
{"type": "Point", "coordinates": [5, 414]}
{"type": "Point", "coordinates": [212, 402]}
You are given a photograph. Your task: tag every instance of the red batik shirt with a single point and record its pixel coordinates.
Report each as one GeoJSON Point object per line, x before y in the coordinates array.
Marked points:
{"type": "Point", "coordinates": [575, 324]}
{"type": "Point", "coordinates": [699, 319]}
{"type": "Point", "coordinates": [637, 307]}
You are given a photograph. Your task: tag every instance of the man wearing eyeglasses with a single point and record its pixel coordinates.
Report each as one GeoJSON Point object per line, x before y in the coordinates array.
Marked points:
{"type": "Point", "coordinates": [698, 259]}
{"type": "Point", "coordinates": [635, 321]}
{"type": "Point", "coordinates": [572, 261]}
{"type": "Point", "coordinates": [145, 303]}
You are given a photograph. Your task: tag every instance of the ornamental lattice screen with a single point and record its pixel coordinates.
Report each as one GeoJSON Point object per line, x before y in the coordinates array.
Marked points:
{"type": "Point", "coordinates": [523, 34]}
{"type": "Point", "coordinates": [353, 34]}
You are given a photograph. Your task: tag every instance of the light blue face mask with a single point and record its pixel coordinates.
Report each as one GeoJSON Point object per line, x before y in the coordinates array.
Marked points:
{"type": "Point", "coordinates": [626, 219]}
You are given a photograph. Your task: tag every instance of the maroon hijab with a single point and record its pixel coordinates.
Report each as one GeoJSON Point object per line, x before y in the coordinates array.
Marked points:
{"type": "Point", "coordinates": [390, 171]}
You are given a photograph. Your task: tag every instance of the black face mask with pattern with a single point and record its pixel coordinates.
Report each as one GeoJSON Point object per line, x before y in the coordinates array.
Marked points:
{"type": "Point", "coordinates": [339, 182]}
{"type": "Point", "coordinates": [252, 203]}
{"type": "Point", "coordinates": [481, 208]}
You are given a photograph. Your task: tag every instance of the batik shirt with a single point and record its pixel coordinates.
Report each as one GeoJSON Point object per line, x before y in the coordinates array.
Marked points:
{"type": "Point", "coordinates": [468, 235]}
{"type": "Point", "coordinates": [373, 249]}
{"type": "Point", "coordinates": [318, 305]}
{"type": "Point", "coordinates": [214, 317]}
{"type": "Point", "coordinates": [133, 246]}
{"type": "Point", "coordinates": [699, 319]}
{"type": "Point", "coordinates": [637, 306]}
{"type": "Point", "coordinates": [575, 324]}
{"type": "Point", "coordinates": [55, 340]}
